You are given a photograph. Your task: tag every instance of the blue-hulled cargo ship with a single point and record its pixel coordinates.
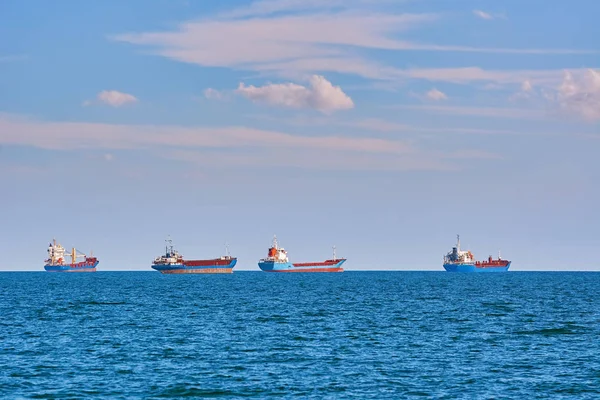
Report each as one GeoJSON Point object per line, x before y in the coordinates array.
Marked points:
{"type": "Point", "coordinates": [463, 261]}
{"type": "Point", "coordinates": [277, 261]}
{"type": "Point", "coordinates": [56, 261]}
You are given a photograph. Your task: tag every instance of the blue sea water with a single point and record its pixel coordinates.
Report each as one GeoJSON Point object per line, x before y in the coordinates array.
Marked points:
{"type": "Point", "coordinates": [517, 335]}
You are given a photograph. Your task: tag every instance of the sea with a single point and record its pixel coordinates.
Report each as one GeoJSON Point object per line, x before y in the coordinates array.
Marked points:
{"type": "Point", "coordinates": [387, 335]}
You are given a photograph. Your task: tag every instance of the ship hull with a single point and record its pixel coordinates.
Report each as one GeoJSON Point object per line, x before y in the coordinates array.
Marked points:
{"type": "Point", "coordinates": [326, 266]}
{"type": "Point", "coordinates": [78, 267]}
{"type": "Point", "coordinates": [456, 267]}
{"type": "Point", "coordinates": [215, 267]}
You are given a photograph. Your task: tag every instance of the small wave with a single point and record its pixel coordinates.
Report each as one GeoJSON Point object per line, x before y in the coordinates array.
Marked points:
{"type": "Point", "coordinates": [103, 303]}
{"type": "Point", "coordinates": [302, 339]}
{"type": "Point", "coordinates": [548, 332]}
{"type": "Point", "coordinates": [506, 307]}
{"type": "Point", "coordinates": [316, 313]}
{"type": "Point", "coordinates": [191, 391]}
{"type": "Point", "coordinates": [281, 319]}
{"type": "Point", "coordinates": [124, 371]}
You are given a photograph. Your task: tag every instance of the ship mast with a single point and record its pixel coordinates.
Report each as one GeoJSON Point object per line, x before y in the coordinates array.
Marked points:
{"type": "Point", "coordinates": [275, 245]}
{"type": "Point", "coordinates": [458, 243]}
{"type": "Point", "coordinates": [169, 245]}
{"type": "Point", "coordinates": [226, 250]}
{"type": "Point", "coordinates": [334, 257]}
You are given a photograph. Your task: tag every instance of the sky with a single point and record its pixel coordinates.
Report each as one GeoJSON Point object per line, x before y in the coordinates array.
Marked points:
{"type": "Point", "coordinates": [383, 127]}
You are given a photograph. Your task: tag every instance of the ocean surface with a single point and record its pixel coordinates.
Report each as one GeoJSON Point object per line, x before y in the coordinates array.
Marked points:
{"type": "Point", "coordinates": [515, 335]}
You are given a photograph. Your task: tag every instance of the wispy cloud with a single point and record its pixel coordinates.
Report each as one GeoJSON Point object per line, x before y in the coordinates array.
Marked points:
{"type": "Point", "coordinates": [377, 125]}
{"type": "Point", "coordinates": [392, 127]}
{"type": "Point", "coordinates": [482, 14]}
{"type": "Point", "coordinates": [487, 15]}
{"type": "Point", "coordinates": [251, 42]}
{"type": "Point", "coordinates": [321, 95]}
{"type": "Point", "coordinates": [112, 98]}
{"type": "Point", "coordinates": [253, 146]}
{"type": "Point", "coordinates": [12, 57]}
{"type": "Point", "coordinates": [476, 74]}
{"type": "Point", "coordinates": [369, 124]}
{"type": "Point", "coordinates": [80, 135]}
{"type": "Point", "coordinates": [324, 37]}
{"type": "Point", "coordinates": [389, 76]}
{"type": "Point", "coordinates": [490, 112]}
{"type": "Point", "coordinates": [322, 160]}
{"type": "Point", "coordinates": [213, 94]}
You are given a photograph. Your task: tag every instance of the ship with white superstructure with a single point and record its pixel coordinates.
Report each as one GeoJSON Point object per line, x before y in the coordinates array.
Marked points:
{"type": "Point", "coordinates": [459, 260]}
{"type": "Point", "coordinates": [57, 260]}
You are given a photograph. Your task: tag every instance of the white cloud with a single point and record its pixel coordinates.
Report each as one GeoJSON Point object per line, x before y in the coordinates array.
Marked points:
{"type": "Point", "coordinates": [580, 95]}
{"type": "Point", "coordinates": [113, 98]}
{"type": "Point", "coordinates": [321, 95]}
{"type": "Point", "coordinates": [213, 94]}
{"type": "Point", "coordinates": [482, 14]}
{"type": "Point", "coordinates": [436, 95]}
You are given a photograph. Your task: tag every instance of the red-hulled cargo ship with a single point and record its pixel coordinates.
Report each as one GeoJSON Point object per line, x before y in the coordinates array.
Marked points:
{"type": "Point", "coordinates": [173, 263]}
{"type": "Point", "coordinates": [277, 261]}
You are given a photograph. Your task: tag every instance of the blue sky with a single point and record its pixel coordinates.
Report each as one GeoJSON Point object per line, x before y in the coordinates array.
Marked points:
{"type": "Point", "coordinates": [382, 127]}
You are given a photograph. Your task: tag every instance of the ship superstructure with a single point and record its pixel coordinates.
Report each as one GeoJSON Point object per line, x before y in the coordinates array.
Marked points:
{"type": "Point", "coordinates": [459, 260]}
{"type": "Point", "coordinates": [277, 261]}
{"type": "Point", "coordinates": [173, 263]}
{"type": "Point", "coordinates": [57, 260]}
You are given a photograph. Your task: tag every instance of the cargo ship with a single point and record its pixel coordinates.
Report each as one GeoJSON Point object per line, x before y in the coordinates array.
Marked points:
{"type": "Point", "coordinates": [173, 263]}
{"type": "Point", "coordinates": [56, 261]}
{"type": "Point", "coordinates": [463, 261]}
{"type": "Point", "coordinates": [277, 261]}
